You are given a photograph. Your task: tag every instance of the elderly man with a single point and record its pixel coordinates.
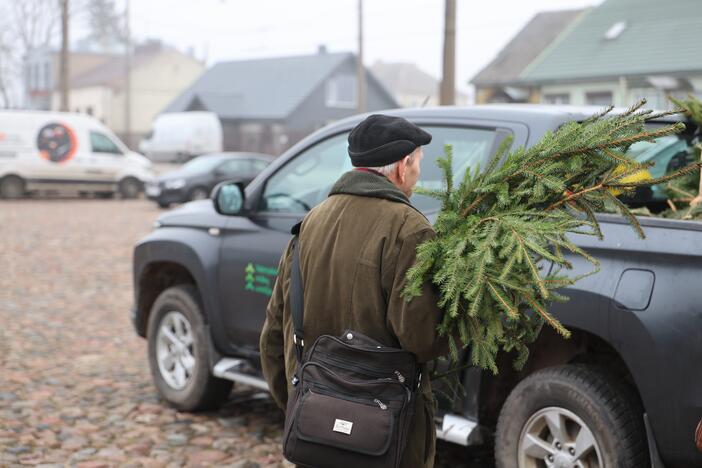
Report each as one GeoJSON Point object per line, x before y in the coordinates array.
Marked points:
{"type": "Point", "coordinates": [355, 249]}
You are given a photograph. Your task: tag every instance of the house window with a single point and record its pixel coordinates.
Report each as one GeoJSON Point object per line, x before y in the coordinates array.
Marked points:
{"type": "Point", "coordinates": [341, 91]}
{"type": "Point", "coordinates": [599, 98]}
{"type": "Point", "coordinates": [556, 98]}
{"type": "Point", "coordinates": [654, 98]}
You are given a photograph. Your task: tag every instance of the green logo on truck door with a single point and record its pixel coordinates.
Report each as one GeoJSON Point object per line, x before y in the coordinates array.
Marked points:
{"type": "Point", "coordinates": [260, 279]}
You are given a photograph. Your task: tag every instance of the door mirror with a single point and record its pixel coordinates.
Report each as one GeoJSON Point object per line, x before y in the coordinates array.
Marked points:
{"type": "Point", "coordinates": [228, 198]}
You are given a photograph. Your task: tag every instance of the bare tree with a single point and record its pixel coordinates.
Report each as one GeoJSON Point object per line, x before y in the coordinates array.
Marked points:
{"type": "Point", "coordinates": [36, 23]}
{"type": "Point", "coordinates": [25, 26]}
{"type": "Point", "coordinates": [107, 25]}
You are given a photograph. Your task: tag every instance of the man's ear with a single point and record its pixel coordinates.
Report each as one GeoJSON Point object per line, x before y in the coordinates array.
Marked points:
{"type": "Point", "coordinates": [401, 169]}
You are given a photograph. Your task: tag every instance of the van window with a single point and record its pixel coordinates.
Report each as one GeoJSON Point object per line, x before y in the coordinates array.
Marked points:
{"type": "Point", "coordinates": [101, 143]}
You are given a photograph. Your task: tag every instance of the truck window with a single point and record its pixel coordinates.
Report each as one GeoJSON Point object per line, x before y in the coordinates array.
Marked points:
{"type": "Point", "coordinates": [307, 179]}
{"type": "Point", "coordinates": [101, 143]}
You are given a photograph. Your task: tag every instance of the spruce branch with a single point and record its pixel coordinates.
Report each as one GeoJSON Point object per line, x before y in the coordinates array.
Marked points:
{"type": "Point", "coordinates": [504, 234]}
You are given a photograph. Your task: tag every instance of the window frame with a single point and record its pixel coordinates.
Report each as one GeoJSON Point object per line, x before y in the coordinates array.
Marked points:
{"type": "Point", "coordinates": [92, 146]}
{"type": "Point", "coordinates": [518, 130]}
{"type": "Point", "coordinates": [331, 99]}
{"type": "Point", "coordinates": [556, 99]}
{"type": "Point", "coordinates": [596, 94]}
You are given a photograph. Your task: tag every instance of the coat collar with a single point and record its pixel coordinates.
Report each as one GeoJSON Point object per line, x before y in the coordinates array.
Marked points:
{"type": "Point", "coordinates": [369, 184]}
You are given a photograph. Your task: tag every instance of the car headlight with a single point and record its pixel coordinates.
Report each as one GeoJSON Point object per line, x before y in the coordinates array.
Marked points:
{"type": "Point", "coordinates": [174, 184]}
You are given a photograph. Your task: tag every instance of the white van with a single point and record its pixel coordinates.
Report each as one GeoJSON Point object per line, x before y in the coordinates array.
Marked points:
{"type": "Point", "coordinates": [60, 151]}
{"type": "Point", "coordinates": [179, 136]}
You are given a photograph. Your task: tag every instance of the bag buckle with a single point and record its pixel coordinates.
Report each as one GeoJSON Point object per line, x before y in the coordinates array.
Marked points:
{"type": "Point", "coordinates": [301, 343]}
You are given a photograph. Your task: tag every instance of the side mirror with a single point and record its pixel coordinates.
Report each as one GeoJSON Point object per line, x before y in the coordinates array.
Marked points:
{"type": "Point", "coordinates": [228, 198]}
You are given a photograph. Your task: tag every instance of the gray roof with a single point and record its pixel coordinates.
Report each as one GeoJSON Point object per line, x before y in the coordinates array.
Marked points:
{"type": "Point", "coordinates": [533, 38]}
{"type": "Point", "coordinates": [405, 78]}
{"type": "Point", "coordinates": [656, 37]}
{"type": "Point", "coordinates": [268, 88]}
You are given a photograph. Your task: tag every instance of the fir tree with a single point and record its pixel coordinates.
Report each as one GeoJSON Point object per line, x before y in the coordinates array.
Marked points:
{"type": "Point", "coordinates": [496, 225]}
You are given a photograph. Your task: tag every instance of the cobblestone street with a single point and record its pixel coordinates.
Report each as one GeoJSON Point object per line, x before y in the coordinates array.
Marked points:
{"type": "Point", "coordinates": [75, 388]}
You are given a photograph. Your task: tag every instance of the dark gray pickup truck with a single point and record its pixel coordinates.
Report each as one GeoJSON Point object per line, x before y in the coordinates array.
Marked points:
{"type": "Point", "coordinates": [624, 391]}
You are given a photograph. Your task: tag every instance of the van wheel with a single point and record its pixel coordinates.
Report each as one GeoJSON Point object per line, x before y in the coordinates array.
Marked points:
{"type": "Point", "coordinates": [129, 188]}
{"type": "Point", "coordinates": [574, 415]}
{"type": "Point", "coordinates": [178, 345]}
{"type": "Point", "coordinates": [11, 187]}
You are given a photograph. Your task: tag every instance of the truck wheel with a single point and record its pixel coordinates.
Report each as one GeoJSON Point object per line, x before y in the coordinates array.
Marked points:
{"type": "Point", "coordinates": [129, 188]}
{"type": "Point", "coordinates": [11, 187]}
{"type": "Point", "coordinates": [178, 346]}
{"type": "Point", "coordinates": [198, 193]}
{"type": "Point", "coordinates": [574, 415]}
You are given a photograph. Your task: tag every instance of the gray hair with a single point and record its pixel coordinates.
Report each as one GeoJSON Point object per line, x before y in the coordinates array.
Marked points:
{"type": "Point", "coordinates": [390, 168]}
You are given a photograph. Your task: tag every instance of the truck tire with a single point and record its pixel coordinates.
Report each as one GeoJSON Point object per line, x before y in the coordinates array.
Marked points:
{"type": "Point", "coordinates": [178, 345]}
{"type": "Point", "coordinates": [129, 188]}
{"type": "Point", "coordinates": [11, 187]}
{"type": "Point", "coordinates": [561, 415]}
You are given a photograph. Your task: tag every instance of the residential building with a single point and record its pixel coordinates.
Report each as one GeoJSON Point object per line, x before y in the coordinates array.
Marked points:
{"type": "Point", "coordinates": [42, 69]}
{"type": "Point", "coordinates": [157, 74]}
{"type": "Point", "coordinates": [500, 80]}
{"type": "Point", "coordinates": [622, 51]}
{"type": "Point", "coordinates": [618, 53]}
{"type": "Point", "coordinates": [410, 85]}
{"type": "Point", "coordinates": [267, 105]}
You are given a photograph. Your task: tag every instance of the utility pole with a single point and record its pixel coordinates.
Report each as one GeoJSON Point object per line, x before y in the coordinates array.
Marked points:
{"type": "Point", "coordinates": [447, 94]}
{"type": "Point", "coordinates": [360, 69]}
{"type": "Point", "coordinates": [63, 73]}
{"type": "Point", "coordinates": [127, 77]}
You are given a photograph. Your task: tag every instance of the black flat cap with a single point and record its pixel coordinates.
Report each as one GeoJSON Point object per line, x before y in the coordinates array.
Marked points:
{"type": "Point", "coordinates": [383, 139]}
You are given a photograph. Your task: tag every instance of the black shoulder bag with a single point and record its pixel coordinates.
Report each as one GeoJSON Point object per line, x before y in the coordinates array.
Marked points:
{"type": "Point", "coordinates": [353, 397]}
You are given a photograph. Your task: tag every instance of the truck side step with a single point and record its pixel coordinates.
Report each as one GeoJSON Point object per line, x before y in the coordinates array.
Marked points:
{"type": "Point", "coordinates": [231, 369]}
{"type": "Point", "coordinates": [458, 430]}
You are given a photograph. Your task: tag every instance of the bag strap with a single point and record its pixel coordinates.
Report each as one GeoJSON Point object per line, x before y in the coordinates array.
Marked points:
{"type": "Point", "coordinates": [296, 300]}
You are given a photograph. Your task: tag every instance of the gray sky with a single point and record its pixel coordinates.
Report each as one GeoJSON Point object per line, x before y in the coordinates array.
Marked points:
{"type": "Point", "coordinates": [395, 30]}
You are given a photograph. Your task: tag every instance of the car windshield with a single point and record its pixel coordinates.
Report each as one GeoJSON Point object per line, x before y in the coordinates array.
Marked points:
{"type": "Point", "coordinates": [199, 165]}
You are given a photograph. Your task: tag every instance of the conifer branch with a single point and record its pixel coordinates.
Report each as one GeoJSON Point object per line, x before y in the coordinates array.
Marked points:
{"type": "Point", "coordinates": [503, 234]}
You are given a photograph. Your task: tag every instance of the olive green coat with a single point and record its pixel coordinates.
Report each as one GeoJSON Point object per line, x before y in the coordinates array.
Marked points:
{"type": "Point", "coordinates": [355, 249]}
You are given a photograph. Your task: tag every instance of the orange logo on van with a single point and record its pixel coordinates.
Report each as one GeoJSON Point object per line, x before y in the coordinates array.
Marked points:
{"type": "Point", "coordinates": [57, 142]}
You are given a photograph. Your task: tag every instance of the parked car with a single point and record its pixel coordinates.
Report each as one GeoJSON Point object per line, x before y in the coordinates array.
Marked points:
{"type": "Point", "coordinates": [196, 178]}
{"type": "Point", "coordinates": [180, 136]}
{"type": "Point", "coordinates": [624, 391]}
{"type": "Point", "coordinates": [66, 152]}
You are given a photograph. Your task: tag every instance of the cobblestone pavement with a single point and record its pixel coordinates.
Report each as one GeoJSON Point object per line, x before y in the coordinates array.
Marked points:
{"type": "Point", "coordinates": [75, 388]}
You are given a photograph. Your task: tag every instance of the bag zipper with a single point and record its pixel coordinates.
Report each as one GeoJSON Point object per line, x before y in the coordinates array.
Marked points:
{"type": "Point", "coordinates": [326, 391]}
{"type": "Point", "coordinates": [356, 366]}
{"type": "Point", "coordinates": [390, 380]}
{"type": "Point", "coordinates": [399, 378]}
